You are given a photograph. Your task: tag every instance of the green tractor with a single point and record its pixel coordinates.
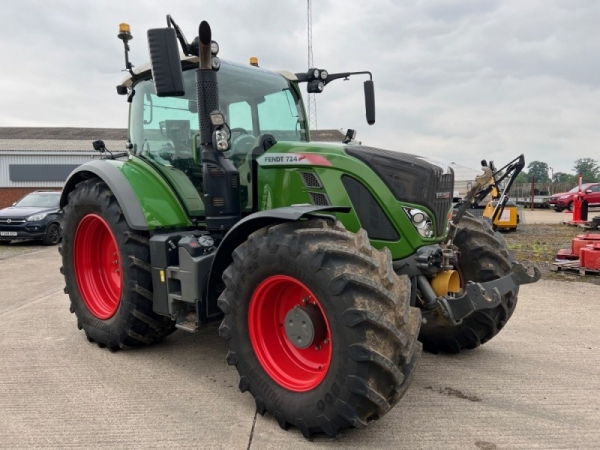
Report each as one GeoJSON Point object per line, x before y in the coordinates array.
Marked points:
{"type": "Point", "coordinates": [330, 266]}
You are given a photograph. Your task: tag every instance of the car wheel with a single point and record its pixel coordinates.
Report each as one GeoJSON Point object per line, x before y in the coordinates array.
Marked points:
{"type": "Point", "coordinates": [52, 235]}
{"type": "Point", "coordinates": [570, 206]}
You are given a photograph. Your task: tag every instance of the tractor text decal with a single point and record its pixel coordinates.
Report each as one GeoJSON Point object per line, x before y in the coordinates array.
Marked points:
{"type": "Point", "coordinates": [284, 159]}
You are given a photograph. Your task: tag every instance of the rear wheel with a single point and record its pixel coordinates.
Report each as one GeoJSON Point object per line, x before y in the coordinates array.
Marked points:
{"type": "Point", "coordinates": [319, 326]}
{"type": "Point", "coordinates": [483, 257]}
{"type": "Point", "coordinates": [107, 271]}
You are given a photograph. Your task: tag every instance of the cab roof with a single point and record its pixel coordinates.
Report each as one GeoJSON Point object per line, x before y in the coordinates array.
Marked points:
{"type": "Point", "coordinates": [145, 68]}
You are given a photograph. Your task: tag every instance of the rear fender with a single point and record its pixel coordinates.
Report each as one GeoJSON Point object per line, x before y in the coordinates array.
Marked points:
{"type": "Point", "coordinates": [147, 201]}
{"type": "Point", "coordinates": [117, 183]}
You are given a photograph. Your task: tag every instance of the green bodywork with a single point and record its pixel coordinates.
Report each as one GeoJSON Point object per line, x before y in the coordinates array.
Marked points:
{"type": "Point", "coordinates": [157, 198]}
{"type": "Point", "coordinates": [166, 200]}
{"type": "Point", "coordinates": [283, 186]}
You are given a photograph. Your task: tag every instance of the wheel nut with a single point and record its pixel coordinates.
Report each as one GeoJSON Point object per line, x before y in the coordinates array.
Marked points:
{"type": "Point", "coordinates": [326, 341]}
{"type": "Point", "coordinates": [318, 347]}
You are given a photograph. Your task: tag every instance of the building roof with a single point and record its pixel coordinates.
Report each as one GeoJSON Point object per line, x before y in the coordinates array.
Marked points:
{"type": "Point", "coordinates": [65, 134]}
{"type": "Point", "coordinates": [69, 139]}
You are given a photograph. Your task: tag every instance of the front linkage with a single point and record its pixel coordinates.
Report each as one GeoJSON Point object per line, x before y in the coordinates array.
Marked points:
{"type": "Point", "coordinates": [477, 296]}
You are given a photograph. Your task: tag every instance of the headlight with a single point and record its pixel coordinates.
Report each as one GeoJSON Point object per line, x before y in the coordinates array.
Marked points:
{"type": "Point", "coordinates": [215, 63]}
{"type": "Point", "coordinates": [324, 74]}
{"type": "Point", "coordinates": [36, 217]}
{"type": "Point", "coordinates": [222, 137]}
{"type": "Point", "coordinates": [421, 221]}
{"type": "Point", "coordinates": [214, 48]}
{"type": "Point", "coordinates": [316, 74]}
{"type": "Point", "coordinates": [562, 197]}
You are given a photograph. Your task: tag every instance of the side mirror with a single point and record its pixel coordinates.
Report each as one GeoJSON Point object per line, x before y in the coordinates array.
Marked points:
{"type": "Point", "coordinates": [166, 66]}
{"type": "Point", "coordinates": [588, 191]}
{"type": "Point", "coordinates": [370, 101]}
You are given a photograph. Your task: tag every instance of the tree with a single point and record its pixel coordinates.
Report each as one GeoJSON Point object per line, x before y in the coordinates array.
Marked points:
{"type": "Point", "coordinates": [588, 168]}
{"type": "Point", "coordinates": [523, 178]}
{"type": "Point", "coordinates": [539, 170]}
{"type": "Point", "coordinates": [561, 177]}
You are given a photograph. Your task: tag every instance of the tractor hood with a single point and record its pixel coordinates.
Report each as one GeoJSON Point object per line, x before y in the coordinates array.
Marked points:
{"type": "Point", "coordinates": [411, 178]}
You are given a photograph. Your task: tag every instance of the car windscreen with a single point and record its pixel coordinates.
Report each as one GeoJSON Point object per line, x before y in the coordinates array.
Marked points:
{"type": "Point", "coordinates": [583, 188]}
{"type": "Point", "coordinates": [40, 200]}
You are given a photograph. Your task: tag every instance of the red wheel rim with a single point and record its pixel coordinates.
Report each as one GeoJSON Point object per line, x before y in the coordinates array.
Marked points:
{"type": "Point", "coordinates": [98, 266]}
{"type": "Point", "coordinates": [293, 368]}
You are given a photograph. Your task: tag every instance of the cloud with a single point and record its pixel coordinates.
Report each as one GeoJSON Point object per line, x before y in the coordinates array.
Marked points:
{"type": "Point", "coordinates": [458, 80]}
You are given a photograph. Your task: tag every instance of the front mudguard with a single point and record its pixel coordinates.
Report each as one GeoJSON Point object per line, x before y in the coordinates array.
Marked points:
{"type": "Point", "coordinates": [478, 296]}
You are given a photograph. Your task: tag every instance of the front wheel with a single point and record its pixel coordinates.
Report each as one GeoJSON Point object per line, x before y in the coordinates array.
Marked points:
{"type": "Point", "coordinates": [319, 326]}
{"type": "Point", "coordinates": [483, 257]}
{"type": "Point", "coordinates": [106, 266]}
{"type": "Point", "coordinates": [52, 236]}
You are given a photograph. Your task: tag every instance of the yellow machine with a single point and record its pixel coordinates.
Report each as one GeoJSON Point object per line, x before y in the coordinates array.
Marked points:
{"type": "Point", "coordinates": [509, 219]}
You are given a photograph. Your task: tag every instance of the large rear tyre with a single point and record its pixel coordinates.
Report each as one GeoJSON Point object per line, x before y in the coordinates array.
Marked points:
{"type": "Point", "coordinates": [483, 257]}
{"type": "Point", "coordinates": [319, 326]}
{"type": "Point", "coordinates": [107, 271]}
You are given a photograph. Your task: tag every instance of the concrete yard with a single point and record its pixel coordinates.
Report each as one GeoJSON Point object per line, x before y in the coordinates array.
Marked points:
{"type": "Point", "coordinates": [536, 385]}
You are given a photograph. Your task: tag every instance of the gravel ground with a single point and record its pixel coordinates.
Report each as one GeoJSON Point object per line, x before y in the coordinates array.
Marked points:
{"type": "Point", "coordinates": [17, 248]}
{"type": "Point", "coordinates": [539, 243]}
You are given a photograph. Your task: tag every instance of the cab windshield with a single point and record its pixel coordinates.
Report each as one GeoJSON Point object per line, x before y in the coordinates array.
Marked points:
{"type": "Point", "coordinates": [255, 102]}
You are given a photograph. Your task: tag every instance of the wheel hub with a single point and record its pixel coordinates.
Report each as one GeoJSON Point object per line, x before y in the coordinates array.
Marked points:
{"type": "Point", "coordinates": [290, 333]}
{"type": "Point", "coordinates": [304, 325]}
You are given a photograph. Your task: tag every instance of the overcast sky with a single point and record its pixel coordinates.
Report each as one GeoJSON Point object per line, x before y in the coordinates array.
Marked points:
{"type": "Point", "coordinates": [457, 80]}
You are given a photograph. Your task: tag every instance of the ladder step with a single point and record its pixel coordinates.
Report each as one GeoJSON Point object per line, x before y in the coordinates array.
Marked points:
{"type": "Point", "coordinates": [188, 323]}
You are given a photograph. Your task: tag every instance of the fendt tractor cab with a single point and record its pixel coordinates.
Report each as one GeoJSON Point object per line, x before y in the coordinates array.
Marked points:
{"type": "Point", "coordinates": [330, 265]}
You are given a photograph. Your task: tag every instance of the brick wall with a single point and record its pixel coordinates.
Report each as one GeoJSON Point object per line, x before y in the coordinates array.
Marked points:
{"type": "Point", "coordinates": [10, 195]}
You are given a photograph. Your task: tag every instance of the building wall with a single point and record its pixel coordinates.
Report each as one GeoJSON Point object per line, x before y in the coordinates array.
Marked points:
{"type": "Point", "coordinates": [17, 158]}
{"type": "Point", "coordinates": [10, 195]}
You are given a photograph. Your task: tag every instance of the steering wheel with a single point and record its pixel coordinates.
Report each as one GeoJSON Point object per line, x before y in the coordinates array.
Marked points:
{"type": "Point", "coordinates": [238, 130]}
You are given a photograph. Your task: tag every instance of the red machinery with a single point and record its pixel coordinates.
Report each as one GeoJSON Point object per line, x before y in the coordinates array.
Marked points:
{"type": "Point", "coordinates": [589, 256]}
{"type": "Point", "coordinates": [577, 244]}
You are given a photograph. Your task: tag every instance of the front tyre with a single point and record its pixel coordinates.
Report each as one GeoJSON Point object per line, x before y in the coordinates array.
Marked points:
{"type": "Point", "coordinates": [483, 257]}
{"type": "Point", "coordinates": [319, 326]}
{"type": "Point", "coordinates": [106, 266]}
{"type": "Point", "coordinates": [52, 236]}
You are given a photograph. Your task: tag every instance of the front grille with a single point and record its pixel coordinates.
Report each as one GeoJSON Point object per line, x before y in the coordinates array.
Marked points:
{"type": "Point", "coordinates": [319, 199]}
{"type": "Point", "coordinates": [12, 221]}
{"type": "Point", "coordinates": [370, 214]}
{"type": "Point", "coordinates": [215, 171]}
{"type": "Point", "coordinates": [411, 179]}
{"type": "Point", "coordinates": [311, 180]}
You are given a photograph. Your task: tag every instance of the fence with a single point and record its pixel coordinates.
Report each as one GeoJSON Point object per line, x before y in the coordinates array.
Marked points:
{"type": "Point", "coordinates": [524, 189]}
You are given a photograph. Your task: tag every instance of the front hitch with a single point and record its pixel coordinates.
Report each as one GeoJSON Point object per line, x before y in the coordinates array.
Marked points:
{"type": "Point", "coordinates": [478, 296]}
